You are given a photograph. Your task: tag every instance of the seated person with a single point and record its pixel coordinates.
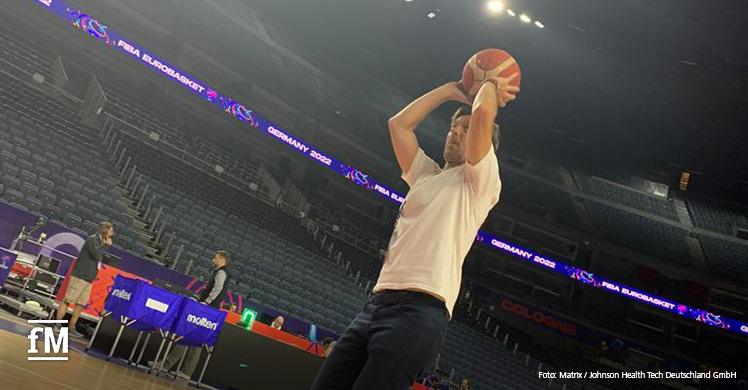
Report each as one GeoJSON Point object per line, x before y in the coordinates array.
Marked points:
{"type": "Point", "coordinates": [278, 323]}
{"type": "Point", "coordinates": [328, 344]}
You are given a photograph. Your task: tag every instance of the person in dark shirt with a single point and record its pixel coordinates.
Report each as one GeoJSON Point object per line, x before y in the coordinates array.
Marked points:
{"type": "Point", "coordinates": [214, 291]}
{"type": "Point", "coordinates": [219, 283]}
{"type": "Point", "coordinates": [83, 274]}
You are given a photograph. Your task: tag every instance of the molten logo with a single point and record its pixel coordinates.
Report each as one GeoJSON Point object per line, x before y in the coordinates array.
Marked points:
{"type": "Point", "coordinates": [202, 321]}
{"type": "Point", "coordinates": [121, 294]}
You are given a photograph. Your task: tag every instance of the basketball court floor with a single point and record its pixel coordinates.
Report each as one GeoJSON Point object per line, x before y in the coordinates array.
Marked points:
{"type": "Point", "coordinates": [82, 371]}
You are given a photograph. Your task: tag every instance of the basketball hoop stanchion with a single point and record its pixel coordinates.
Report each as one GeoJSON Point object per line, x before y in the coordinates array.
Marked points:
{"type": "Point", "coordinates": [174, 338]}
{"type": "Point", "coordinates": [209, 350]}
{"type": "Point", "coordinates": [123, 322]}
{"type": "Point", "coordinates": [135, 347]}
{"type": "Point", "coordinates": [146, 308]}
{"type": "Point", "coordinates": [197, 325]}
{"type": "Point", "coordinates": [206, 348]}
{"type": "Point", "coordinates": [315, 347]}
{"type": "Point", "coordinates": [164, 335]}
{"type": "Point", "coordinates": [142, 350]}
{"type": "Point", "coordinates": [142, 307]}
{"type": "Point", "coordinates": [104, 314]}
{"type": "Point", "coordinates": [181, 361]}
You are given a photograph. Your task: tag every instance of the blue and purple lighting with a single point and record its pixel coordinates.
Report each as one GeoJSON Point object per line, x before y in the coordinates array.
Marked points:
{"type": "Point", "coordinates": [100, 31]}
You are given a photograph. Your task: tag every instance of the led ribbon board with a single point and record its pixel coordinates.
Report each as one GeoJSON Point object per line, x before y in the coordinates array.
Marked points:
{"type": "Point", "coordinates": [96, 29]}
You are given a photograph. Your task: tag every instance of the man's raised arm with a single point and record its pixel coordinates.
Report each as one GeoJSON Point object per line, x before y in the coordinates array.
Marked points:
{"type": "Point", "coordinates": [403, 125]}
{"type": "Point", "coordinates": [494, 93]}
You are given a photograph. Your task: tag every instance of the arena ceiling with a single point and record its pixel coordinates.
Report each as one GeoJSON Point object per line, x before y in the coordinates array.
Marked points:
{"type": "Point", "coordinates": [649, 88]}
{"type": "Point", "coordinates": [635, 87]}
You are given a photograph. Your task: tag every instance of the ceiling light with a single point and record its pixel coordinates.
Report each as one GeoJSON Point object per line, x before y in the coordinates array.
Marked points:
{"type": "Point", "coordinates": [430, 15]}
{"type": "Point", "coordinates": [495, 6]}
{"type": "Point", "coordinates": [540, 25]}
{"type": "Point", "coordinates": [525, 18]}
{"type": "Point", "coordinates": [511, 13]}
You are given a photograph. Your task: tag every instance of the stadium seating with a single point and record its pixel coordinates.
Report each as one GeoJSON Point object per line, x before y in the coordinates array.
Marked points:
{"type": "Point", "coordinates": [712, 217]}
{"type": "Point", "coordinates": [52, 164]}
{"type": "Point", "coordinates": [485, 361]}
{"type": "Point", "coordinates": [15, 50]}
{"type": "Point", "coordinates": [640, 233]}
{"type": "Point", "coordinates": [628, 197]}
{"type": "Point", "coordinates": [243, 167]}
{"type": "Point", "coordinates": [728, 259]}
{"type": "Point", "coordinates": [542, 199]}
{"type": "Point", "coordinates": [372, 236]}
{"type": "Point", "coordinates": [278, 272]}
{"type": "Point", "coordinates": [207, 214]}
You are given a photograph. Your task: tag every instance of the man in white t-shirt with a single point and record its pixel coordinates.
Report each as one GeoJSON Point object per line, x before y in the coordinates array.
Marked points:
{"type": "Point", "coordinates": [400, 330]}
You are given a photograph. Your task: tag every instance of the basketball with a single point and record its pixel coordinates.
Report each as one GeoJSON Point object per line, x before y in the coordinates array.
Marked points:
{"type": "Point", "coordinates": [485, 64]}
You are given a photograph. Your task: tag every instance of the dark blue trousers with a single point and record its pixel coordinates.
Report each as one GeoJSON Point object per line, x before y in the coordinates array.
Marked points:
{"type": "Point", "coordinates": [388, 344]}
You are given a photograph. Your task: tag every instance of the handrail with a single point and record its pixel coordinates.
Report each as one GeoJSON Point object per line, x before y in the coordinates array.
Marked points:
{"type": "Point", "coordinates": [194, 160]}
{"type": "Point", "coordinates": [43, 246]}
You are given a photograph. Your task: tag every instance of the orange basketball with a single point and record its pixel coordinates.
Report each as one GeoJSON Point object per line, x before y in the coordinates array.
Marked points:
{"type": "Point", "coordinates": [485, 64]}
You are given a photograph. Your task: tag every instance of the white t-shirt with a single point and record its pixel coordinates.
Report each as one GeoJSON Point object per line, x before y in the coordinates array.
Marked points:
{"type": "Point", "coordinates": [437, 225]}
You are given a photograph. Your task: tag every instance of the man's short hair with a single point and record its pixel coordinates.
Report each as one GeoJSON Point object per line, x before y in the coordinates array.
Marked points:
{"type": "Point", "coordinates": [466, 110]}
{"type": "Point", "coordinates": [226, 256]}
{"type": "Point", "coordinates": [105, 226]}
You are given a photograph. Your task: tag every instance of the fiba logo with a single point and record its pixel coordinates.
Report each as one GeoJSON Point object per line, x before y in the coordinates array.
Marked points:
{"type": "Point", "coordinates": [92, 26]}
{"type": "Point", "coordinates": [53, 344]}
{"type": "Point", "coordinates": [241, 113]}
{"type": "Point", "coordinates": [711, 319]}
{"type": "Point", "coordinates": [358, 177]}
{"type": "Point", "coordinates": [584, 276]}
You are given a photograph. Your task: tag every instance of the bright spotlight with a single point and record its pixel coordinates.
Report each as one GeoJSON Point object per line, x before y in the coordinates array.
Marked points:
{"type": "Point", "coordinates": [525, 18]}
{"type": "Point", "coordinates": [495, 6]}
{"type": "Point", "coordinates": [511, 13]}
{"type": "Point", "coordinates": [540, 25]}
